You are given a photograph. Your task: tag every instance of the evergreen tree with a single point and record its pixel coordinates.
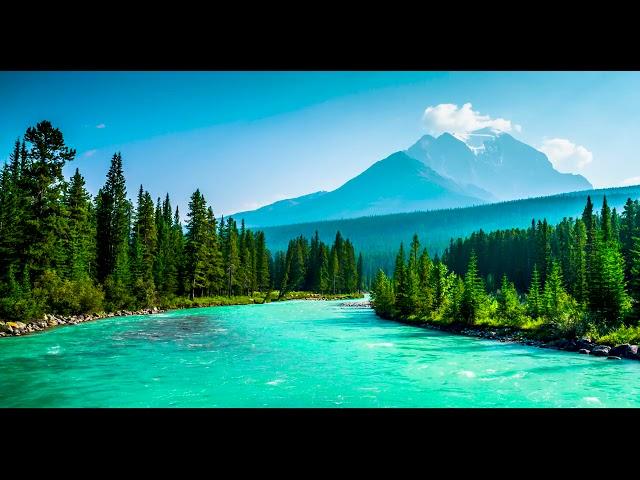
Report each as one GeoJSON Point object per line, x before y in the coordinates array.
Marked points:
{"type": "Point", "coordinates": [325, 282]}
{"type": "Point", "coordinates": [80, 244]}
{"type": "Point", "coordinates": [605, 221]}
{"type": "Point", "coordinates": [43, 185]}
{"type": "Point", "coordinates": [382, 295]}
{"type": "Point", "coordinates": [399, 270]}
{"type": "Point", "coordinates": [509, 307]}
{"type": "Point", "coordinates": [231, 256]}
{"type": "Point", "coordinates": [113, 218]}
{"type": "Point", "coordinates": [360, 273]}
{"type": "Point", "coordinates": [350, 268]}
{"type": "Point", "coordinates": [627, 231]}
{"type": "Point", "coordinates": [554, 293]}
{"type": "Point", "coordinates": [334, 270]}
{"type": "Point", "coordinates": [178, 249]}
{"type": "Point", "coordinates": [613, 302]}
{"type": "Point", "coordinates": [635, 279]}
{"type": "Point", "coordinates": [262, 263]}
{"type": "Point", "coordinates": [579, 262]}
{"type": "Point", "coordinates": [440, 283]}
{"type": "Point", "coordinates": [214, 271]}
{"type": "Point", "coordinates": [473, 298]}
{"type": "Point", "coordinates": [196, 255]}
{"type": "Point", "coordinates": [144, 244]}
{"type": "Point", "coordinates": [535, 304]}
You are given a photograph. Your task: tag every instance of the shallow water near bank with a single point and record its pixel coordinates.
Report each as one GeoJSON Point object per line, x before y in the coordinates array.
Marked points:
{"type": "Point", "coordinates": [295, 354]}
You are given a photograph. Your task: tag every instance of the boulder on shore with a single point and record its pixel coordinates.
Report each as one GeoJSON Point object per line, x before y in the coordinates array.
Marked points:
{"type": "Point", "coordinates": [625, 351]}
{"type": "Point", "coordinates": [584, 351]}
{"type": "Point", "coordinates": [584, 343]}
{"type": "Point", "coordinates": [601, 351]}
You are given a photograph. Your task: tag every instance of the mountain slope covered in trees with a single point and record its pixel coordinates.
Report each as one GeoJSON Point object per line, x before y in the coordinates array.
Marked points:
{"type": "Point", "coordinates": [378, 236]}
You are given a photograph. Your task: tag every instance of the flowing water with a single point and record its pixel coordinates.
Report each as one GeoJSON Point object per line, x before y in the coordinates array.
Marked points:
{"type": "Point", "coordinates": [295, 354]}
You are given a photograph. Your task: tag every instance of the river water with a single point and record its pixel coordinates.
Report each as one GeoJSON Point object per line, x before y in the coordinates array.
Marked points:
{"type": "Point", "coordinates": [295, 354]}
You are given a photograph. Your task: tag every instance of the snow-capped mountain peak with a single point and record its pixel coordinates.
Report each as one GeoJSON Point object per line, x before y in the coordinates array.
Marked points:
{"type": "Point", "coordinates": [477, 140]}
{"type": "Point", "coordinates": [495, 161]}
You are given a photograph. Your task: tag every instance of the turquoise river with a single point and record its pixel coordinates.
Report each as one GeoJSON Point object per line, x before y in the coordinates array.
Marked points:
{"type": "Point", "coordinates": [295, 354]}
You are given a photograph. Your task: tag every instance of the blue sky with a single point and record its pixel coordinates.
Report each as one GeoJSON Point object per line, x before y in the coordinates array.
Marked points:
{"type": "Point", "coordinates": [249, 138]}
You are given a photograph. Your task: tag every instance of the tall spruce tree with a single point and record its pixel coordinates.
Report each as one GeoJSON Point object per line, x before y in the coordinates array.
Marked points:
{"type": "Point", "coordinates": [43, 185]}
{"type": "Point", "coordinates": [360, 273]}
{"type": "Point", "coordinates": [80, 244]}
{"type": "Point", "coordinates": [535, 305]}
{"type": "Point", "coordinates": [144, 244]}
{"type": "Point", "coordinates": [196, 257]}
{"type": "Point", "coordinates": [113, 219]}
{"type": "Point", "coordinates": [635, 280]}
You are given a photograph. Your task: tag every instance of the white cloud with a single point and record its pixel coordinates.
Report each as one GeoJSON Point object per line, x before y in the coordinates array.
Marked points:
{"type": "Point", "coordinates": [101, 125]}
{"type": "Point", "coordinates": [89, 153]}
{"type": "Point", "coordinates": [448, 117]}
{"type": "Point", "coordinates": [630, 181]}
{"type": "Point", "coordinates": [566, 156]}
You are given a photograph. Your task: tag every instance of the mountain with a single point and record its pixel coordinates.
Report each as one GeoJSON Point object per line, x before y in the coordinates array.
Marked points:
{"type": "Point", "coordinates": [398, 183]}
{"type": "Point", "coordinates": [495, 162]}
{"type": "Point", "coordinates": [449, 171]}
{"type": "Point", "coordinates": [378, 237]}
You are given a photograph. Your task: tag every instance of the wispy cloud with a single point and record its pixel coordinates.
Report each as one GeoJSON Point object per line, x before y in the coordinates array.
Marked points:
{"type": "Point", "coordinates": [89, 153]}
{"type": "Point", "coordinates": [630, 181]}
{"type": "Point", "coordinates": [566, 156]}
{"type": "Point", "coordinates": [448, 117]}
{"type": "Point", "coordinates": [101, 125]}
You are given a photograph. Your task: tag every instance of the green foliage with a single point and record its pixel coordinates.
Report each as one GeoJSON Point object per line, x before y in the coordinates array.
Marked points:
{"type": "Point", "coordinates": [313, 266]}
{"type": "Point", "coordinates": [474, 296]}
{"type": "Point", "coordinates": [599, 297]}
{"type": "Point", "coordinates": [634, 263]}
{"type": "Point", "coordinates": [63, 252]}
{"type": "Point", "coordinates": [68, 297]}
{"type": "Point", "coordinates": [624, 334]}
{"type": "Point", "coordinates": [510, 310]}
{"type": "Point", "coordinates": [535, 303]}
{"type": "Point", "coordinates": [382, 295]}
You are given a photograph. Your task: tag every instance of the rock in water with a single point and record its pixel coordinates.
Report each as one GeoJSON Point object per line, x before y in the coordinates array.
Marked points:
{"type": "Point", "coordinates": [584, 351]}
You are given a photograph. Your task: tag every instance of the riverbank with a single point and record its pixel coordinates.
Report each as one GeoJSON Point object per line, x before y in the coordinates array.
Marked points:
{"type": "Point", "coordinates": [16, 328]}
{"type": "Point", "coordinates": [515, 335]}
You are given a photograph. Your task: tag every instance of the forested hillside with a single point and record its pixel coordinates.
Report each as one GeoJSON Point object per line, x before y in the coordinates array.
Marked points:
{"type": "Point", "coordinates": [579, 277]}
{"type": "Point", "coordinates": [378, 236]}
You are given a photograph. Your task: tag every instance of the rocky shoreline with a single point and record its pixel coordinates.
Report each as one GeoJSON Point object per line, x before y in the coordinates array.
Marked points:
{"type": "Point", "coordinates": [512, 335]}
{"type": "Point", "coordinates": [16, 329]}
{"type": "Point", "coordinates": [363, 304]}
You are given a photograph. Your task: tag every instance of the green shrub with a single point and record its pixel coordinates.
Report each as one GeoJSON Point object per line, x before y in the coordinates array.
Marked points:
{"type": "Point", "coordinates": [621, 335]}
{"type": "Point", "coordinates": [67, 297]}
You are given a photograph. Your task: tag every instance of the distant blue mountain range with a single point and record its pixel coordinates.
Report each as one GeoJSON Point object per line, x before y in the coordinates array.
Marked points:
{"type": "Point", "coordinates": [485, 166]}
